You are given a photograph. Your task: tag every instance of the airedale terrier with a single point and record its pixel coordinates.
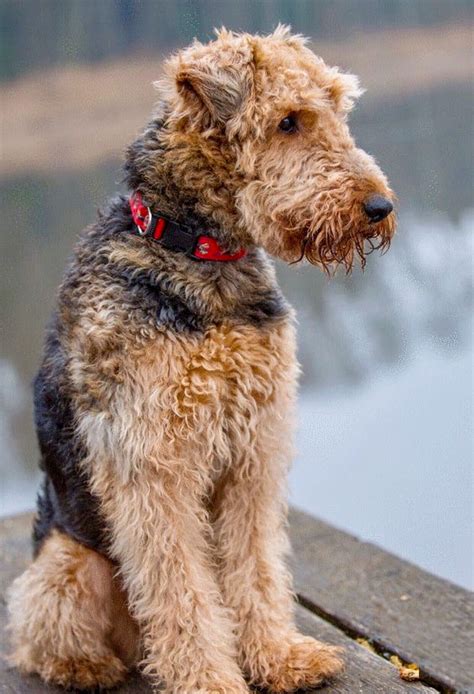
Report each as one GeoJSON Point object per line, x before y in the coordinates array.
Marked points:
{"type": "Point", "coordinates": [164, 401]}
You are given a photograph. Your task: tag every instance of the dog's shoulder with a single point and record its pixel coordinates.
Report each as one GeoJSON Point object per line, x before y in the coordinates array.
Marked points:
{"type": "Point", "coordinates": [118, 278]}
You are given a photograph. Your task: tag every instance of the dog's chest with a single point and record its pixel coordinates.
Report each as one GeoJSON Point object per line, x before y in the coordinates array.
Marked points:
{"type": "Point", "coordinates": [237, 365]}
{"type": "Point", "coordinates": [229, 383]}
{"type": "Point", "coordinates": [239, 382]}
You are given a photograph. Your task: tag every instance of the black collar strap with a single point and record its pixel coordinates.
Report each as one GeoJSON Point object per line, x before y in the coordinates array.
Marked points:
{"type": "Point", "coordinates": [175, 237]}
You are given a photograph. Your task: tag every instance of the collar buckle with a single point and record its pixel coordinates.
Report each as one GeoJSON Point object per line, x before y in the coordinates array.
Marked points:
{"type": "Point", "coordinates": [143, 222]}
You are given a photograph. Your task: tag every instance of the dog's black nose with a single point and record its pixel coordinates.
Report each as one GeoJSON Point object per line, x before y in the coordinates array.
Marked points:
{"type": "Point", "coordinates": [377, 208]}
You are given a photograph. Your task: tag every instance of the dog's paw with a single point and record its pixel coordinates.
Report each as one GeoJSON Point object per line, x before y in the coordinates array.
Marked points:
{"type": "Point", "coordinates": [303, 664]}
{"type": "Point", "coordinates": [78, 673]}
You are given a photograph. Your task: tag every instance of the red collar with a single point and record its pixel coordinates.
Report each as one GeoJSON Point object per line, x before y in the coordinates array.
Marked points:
{"type": "Point", "coordinates": [175, 237]}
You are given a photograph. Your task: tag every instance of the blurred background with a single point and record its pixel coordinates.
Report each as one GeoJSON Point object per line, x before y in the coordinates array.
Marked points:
{"type": "Point", "coordinates": [385, 444]}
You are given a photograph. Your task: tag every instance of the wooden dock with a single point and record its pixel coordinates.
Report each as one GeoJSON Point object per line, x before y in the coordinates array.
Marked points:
{"type": "Point", "coordinates": [350, 593]}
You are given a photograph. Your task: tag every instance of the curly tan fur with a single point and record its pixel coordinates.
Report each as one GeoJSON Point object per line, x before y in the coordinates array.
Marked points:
{"type": "Point", "coordinates": [296, 195]}
{"type": "Point", "coordinates": [67, 613]}
{"type": "Point", "coordinates": [164, 403]}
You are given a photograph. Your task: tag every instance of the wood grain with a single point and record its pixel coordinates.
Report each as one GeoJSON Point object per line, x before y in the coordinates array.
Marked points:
{"type": "Point", "coordinates": [403, 609]}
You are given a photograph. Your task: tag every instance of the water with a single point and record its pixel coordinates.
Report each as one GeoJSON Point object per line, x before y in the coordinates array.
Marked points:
{"type": "Point", "coordinates": [385, 446]}
{"type": "Point", "coordinates": [391, 461]}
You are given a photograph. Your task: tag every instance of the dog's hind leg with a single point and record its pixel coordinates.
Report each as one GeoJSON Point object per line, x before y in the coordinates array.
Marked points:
{"type": "Point", "coordinates": [63, 610]}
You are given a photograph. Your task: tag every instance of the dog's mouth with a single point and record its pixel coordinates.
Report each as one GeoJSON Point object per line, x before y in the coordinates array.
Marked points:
{"type": "Point", "coordinates": [325, 248]}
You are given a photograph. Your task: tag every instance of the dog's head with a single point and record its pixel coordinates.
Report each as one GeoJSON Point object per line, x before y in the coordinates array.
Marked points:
{"type": "Point", "coordinates": [255, 131]}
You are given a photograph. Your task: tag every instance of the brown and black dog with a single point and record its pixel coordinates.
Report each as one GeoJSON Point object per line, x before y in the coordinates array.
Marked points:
{"type": "Point", "coordinates": [164, 402]}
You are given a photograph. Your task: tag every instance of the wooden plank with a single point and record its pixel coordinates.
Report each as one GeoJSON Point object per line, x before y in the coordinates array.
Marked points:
{"type": "Point", "coordinates": [403, 609]}
{"type": "Point", "coordinates": [365, 671]}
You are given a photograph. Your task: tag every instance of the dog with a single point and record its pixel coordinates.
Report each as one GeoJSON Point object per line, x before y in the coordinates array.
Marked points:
{"type": "Point", "coordinates": [164, 401]}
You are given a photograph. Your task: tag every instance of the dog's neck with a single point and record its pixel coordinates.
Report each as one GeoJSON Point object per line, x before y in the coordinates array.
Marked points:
{"type": "Point", "coordinates": [184, 185]}
{"type": "Point", "coordinates": [152, 224]}
{"type": "Point", "coordinates": [212, 292]}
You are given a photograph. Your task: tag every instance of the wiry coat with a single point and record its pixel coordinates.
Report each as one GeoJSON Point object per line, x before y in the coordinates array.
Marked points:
{"type": "Point", "coordinates": [164, 403]}
{"type": "Point", "coordinates": [142, 293]}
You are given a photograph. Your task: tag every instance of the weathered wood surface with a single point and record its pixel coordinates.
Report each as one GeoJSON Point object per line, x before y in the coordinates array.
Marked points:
{"type": "Point", "coordinates": [400, 607]}
{"type": "Point", "coordinates": [365, 671]}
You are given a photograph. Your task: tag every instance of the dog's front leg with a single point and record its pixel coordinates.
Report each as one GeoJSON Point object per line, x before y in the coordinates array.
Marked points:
{"type": "Point", "coordinates": [250, 530]}
{"type": "Point", "coordinates": [159, 540]}
{"type": "Point", "coordinates": [151, 497]}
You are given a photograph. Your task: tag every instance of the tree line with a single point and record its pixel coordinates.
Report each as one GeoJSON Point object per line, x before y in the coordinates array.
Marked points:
{"type": "Point", "coordinates": [41, 33]}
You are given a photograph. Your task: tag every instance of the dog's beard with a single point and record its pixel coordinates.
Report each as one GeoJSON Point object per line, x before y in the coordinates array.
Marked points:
{"type": "Point", "coordinates": [328, 231]}
{"type": "Point", "coordinates": [330, 249]}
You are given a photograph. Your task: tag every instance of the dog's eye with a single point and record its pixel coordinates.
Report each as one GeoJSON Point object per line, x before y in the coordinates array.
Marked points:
{"type": "Point", "coordinates": [288, 124]}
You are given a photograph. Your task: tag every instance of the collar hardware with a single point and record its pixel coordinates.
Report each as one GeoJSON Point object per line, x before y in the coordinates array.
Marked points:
{"type": "Point", "coordinates": [176, 237]}
{"type": "Point", "coordinates": [142, 227]}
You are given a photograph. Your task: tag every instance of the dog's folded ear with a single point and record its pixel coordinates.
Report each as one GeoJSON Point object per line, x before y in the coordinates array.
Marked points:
{"type": "Point", "coordinates": [220, 80]}
{"type": "Point", "coordinates": [220, 88]}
